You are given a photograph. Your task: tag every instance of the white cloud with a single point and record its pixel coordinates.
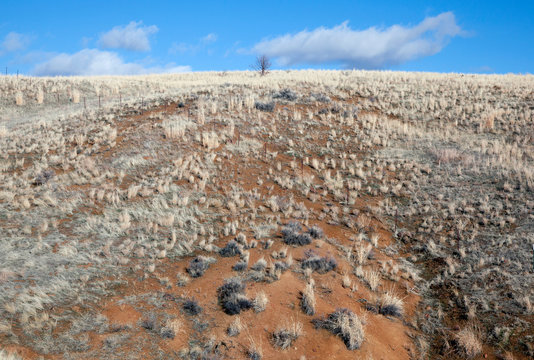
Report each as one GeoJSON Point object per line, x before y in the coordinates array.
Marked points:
{"type": "Point", "coordinates": [369, 48]}
{"type": "Point", "coordinates": [130, 37]}
{"type": "Point", "coordinates": [14, 42]}
{"type": "Point", "coordinates": [211, 37]}
{"type": "Point", "coordinates": [97, 62]}
{"type": "Point", "coordinates": [86, 41]}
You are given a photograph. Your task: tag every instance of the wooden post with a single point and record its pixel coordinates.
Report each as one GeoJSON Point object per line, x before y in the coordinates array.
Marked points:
{"type": "Point", "coordinates": [265, 150]}
{"type": "Point", "coordinates": [99, 101]}
{"type": "Point", "coordinates": [57, 97]}
{"type": "Point", "coordinates": [347, 192]}
{"type": "Point", "coordinates": [84, 106]}
{"type": "Point", "coordinates": [120, 99]}
{"type": "Point", "coordinates": [302, 167]}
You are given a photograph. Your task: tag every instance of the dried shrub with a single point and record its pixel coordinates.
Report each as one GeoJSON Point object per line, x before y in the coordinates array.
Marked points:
{"type": "Point", "coordinates": [345, 324]}
{"type": "Point", "coordinates": [284, 336]}
{"type": "Point", "coordinates": [198, 266]}
{"type": "Point", "coordinates": [235, 327]}
{"type": "Point", "coordinates": [241, 265]}
{"type": "Point", "coordinates": [281, 265]}
{"type": "Point", "coordinates": [320, 264]}
{"type": "Point", "coordinates": [269, 107]}
{"type": "Point", "coordinates": [149, 323]}
{"type": "Point", "coordinates": [390, 304]}
{"type": "Point", "coordinates": [291, 236]}
{"type": "Point", "coordinates": [254, 351]}
{"type": "Point", "coordinates": [167, 333]}
{"type": "Point", "coordinates": [286, 94]}
{"type": "Point", "coordinates": [232, 297]}
{"type": "Point", "coordinates": [232, 248]}
{"type": "Point", "coordinates": [316, 232]}
{"type": "Point", "coordinates": [191, 307]}
{"type": "Point", "coordinates": [321, 97]}
{"type": "Point", "coordinates": [468, 342]}
{"type": "Point", "coordinates": [43, 177]}
{"type": "Point", "coordinates": [4, 355]}
{"type": "Point", "coordinates": [260, 302]}
{"type": "Point", "coordinates": [307, 300]}
{"type": "Point", "coordinates": [260, 265]}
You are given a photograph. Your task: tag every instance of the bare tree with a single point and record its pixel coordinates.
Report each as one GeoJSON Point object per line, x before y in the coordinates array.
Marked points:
{"type": "Point", "coordinates": [262, 65]}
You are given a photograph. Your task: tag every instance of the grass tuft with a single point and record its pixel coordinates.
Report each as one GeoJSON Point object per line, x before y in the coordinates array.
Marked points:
{"type": "Point", "coordinates": [307, 300]}
{"type": "Point", "coordinates": [345, 324]}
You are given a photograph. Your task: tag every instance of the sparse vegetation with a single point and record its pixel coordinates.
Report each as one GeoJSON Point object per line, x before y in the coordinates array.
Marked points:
{"type": "Point", "coordinates": [235, 327]}
{"type": "Point", "coordinates": [321, 264]}
{"type": "Point", "coordinates": [191, 307]}
{"type": "Point", "coordinates": [116, 204]}
{"type": "Point", "coordinates": [232, 296]}
{"type": "Point", "coordinates": [316, 232]}
{"type": "Point", "coordinates": [4, 355]}
{"type": "Point", "coordinates": [286, 94]}
{"type": "Point", "coordinates": [345, 324]}
{"type": "Point", "coordinates": [285, 335]}
{"type": "Point", "coordinates": [260, 302]}
{"type": "Point", "coordinates": [254, 351]}
{"type": "Point", "coordinates": [307, 300]}
{"type": "Point", "coordinates": [269, 107]}
{"type": "Point", "coordinates": [231, 249]}
{"type": "Point", "coordinates": [198, 266]}
{"type": "Point", "coordinates": [390, 304]}
{"type": "Point", "coordinates": [291, 236]}
{"type": "Point", "coordinates": [468, 343]}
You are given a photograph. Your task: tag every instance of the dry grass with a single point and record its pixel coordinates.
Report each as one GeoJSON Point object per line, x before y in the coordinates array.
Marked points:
{"type": "Point", "coordinates": [433, 173]}
{"type": "Point", "coordinates": [390, 304]}
{"type": "Point", "coordinates": [235, 327]}
{"type": "Point", "coordinates": [285, 335]}
{"type": "Point", "coordinates": [469, 344]}
{"type": "Point", "coordinates": [307, 301]}
{"type": "Point", "coordinates": [260, 302]}
{"type": "Point", "coordinates": [4, 355]}
{"type": "Point", "coordinates": [346, 324]}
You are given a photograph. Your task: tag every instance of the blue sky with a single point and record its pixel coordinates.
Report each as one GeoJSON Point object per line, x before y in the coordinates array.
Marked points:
{"type": "Point", "coordinates": [131, 37]}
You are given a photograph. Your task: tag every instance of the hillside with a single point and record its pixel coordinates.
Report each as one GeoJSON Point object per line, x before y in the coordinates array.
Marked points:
{"type": "Point", "coordinates": [299, 215]}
